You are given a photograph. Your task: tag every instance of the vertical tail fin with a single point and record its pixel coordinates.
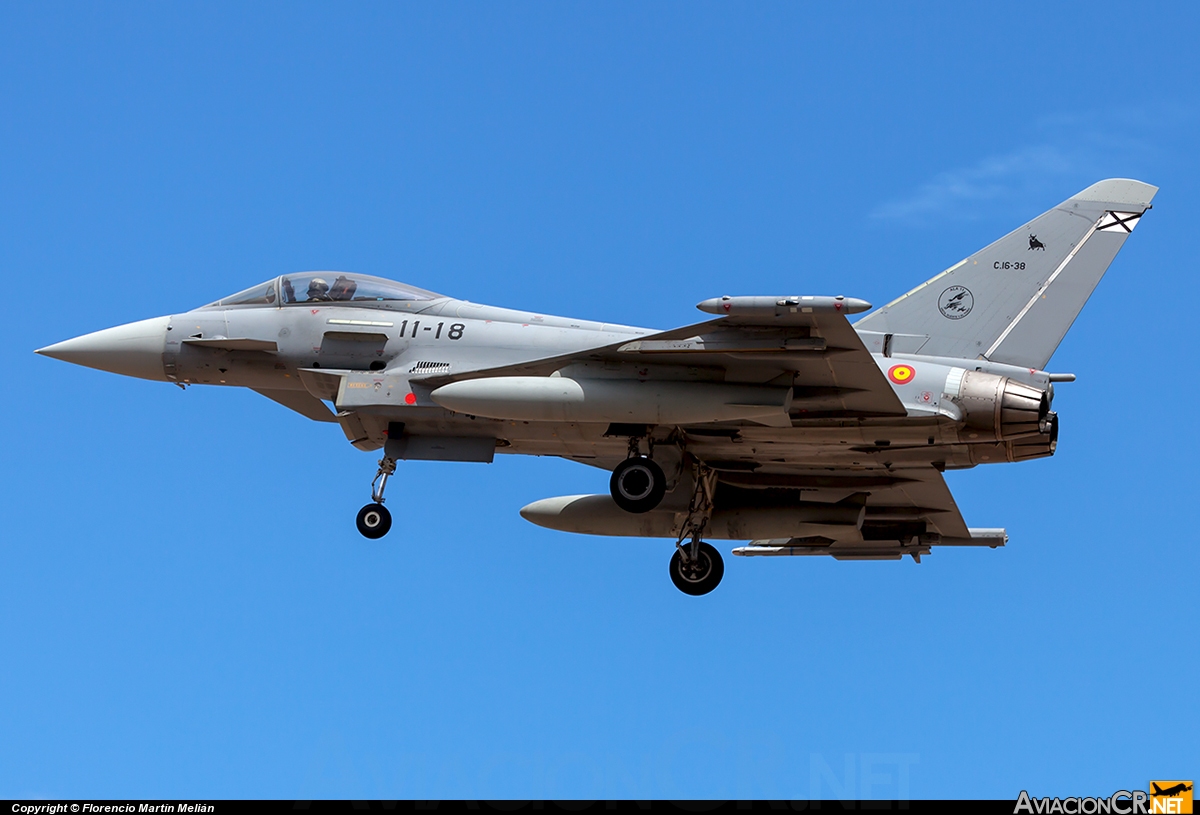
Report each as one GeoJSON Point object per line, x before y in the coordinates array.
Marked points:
{"type": "Point", "coordinates": [1014, 300]}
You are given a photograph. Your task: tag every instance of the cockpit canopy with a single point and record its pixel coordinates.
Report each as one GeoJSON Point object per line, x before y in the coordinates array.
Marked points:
{"type": "Point", "coordinates": [326, 287]}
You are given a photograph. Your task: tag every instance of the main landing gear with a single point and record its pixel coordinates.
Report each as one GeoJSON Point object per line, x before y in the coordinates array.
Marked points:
{"type": "Point", "coordinates": [637, 484]}
{"type": "Point", "coordinates": [374, 520]}
{"type": "Point", "coordinates": [696, 566]}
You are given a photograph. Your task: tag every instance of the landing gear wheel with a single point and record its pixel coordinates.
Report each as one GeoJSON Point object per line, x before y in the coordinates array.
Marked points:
{"type": "Point", "coordinates": [374, 521]}
{"type": "Point", "coordinates": [637, 484]}
{"type": "Point", "coordinates": [701, 573]}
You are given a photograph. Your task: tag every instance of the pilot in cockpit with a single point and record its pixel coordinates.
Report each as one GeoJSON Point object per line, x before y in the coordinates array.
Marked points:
{"type": "Point", "coordinates": [318, 290]}
{"type": "Point", "coordinates": [343, 288]}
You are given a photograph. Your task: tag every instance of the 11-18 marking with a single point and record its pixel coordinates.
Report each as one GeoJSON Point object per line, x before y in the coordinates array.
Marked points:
{"type": "Point", "coordinates": [455, 332]}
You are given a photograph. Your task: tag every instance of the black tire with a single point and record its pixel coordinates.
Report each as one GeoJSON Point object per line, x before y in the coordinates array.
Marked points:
{"type": "Point", "coordinates": [637, 484]}
{"type": "Point", "coordinates": [374, 521]}
{"type": "Point", "coordinates": [700, 576]}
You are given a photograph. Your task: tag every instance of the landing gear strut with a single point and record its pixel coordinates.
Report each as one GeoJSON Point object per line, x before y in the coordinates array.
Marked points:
{"type": "Point", "coordinates": [637, 483]}
{"type": "Point", "coordinates": [697, 567]}
{"type": "Point", "coordinates": [374, 520]}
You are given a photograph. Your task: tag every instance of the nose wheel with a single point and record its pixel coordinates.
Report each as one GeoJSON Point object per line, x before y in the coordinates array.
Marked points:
{"type": "Point", "coordinates": [374, 520]}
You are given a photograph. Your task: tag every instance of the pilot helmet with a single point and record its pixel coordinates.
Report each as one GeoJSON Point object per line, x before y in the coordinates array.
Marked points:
{"type": "Point", "coordinates": [317, 286]}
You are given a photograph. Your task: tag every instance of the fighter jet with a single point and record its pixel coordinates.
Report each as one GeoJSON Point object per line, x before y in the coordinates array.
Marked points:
{"type": "Point", "coordinates": [774, 420]}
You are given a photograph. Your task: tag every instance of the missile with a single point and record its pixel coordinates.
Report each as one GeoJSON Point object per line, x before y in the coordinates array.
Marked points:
{"type": "Point", "coordinates": [868, 550]}
{"type": "Point", "coordinates": [782, 306]}
{"type": "Point", "coordinates": [768, 549]}
{"type": "Point", "coordinates": [562, 399]}
{"type": "Point", "coordinates": [861, 552]}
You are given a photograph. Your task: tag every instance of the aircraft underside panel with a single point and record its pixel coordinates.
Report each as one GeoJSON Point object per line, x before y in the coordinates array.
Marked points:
{"type": "Point", "coordinates": [771, 482]}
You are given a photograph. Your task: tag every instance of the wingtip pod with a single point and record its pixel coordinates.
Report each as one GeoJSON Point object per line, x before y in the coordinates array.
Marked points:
{"type": "Point", "coordinates": [1124, 191]}
{"type": "Point", "coordinates": [781, 306]}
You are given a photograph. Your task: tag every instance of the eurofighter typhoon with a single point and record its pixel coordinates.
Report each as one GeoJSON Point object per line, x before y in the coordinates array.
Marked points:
{"type": "Point", "coordinates": [776, 421]}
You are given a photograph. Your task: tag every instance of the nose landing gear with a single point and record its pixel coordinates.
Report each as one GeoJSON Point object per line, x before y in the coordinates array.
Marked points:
{"type": "Point", "coordinates": [374, 520]}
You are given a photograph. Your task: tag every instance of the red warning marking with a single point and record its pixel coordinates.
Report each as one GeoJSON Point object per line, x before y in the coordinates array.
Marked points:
{"type": "Point", "coordinates": [410, 398]}
{"type": "Point", "coordinates": [901, 374]}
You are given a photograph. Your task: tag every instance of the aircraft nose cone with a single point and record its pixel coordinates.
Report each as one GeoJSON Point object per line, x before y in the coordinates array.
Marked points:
{"type": "Point", "coordinates": [134, 349]}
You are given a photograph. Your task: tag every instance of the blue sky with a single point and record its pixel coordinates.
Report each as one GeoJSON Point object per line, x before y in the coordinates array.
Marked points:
{"type": "Point", "coordinates": [187, 608]}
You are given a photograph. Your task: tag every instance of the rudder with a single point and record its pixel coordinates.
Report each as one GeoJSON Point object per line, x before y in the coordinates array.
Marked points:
{"type": "Point", "coordinates": [1014, 300]}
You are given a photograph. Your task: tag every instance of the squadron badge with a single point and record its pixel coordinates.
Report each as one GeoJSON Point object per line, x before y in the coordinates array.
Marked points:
{"type": "Point", "coordinates": [956, 302]}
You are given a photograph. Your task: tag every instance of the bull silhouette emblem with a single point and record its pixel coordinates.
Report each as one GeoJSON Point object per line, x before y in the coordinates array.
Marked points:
{"type": "Point", "coordinates": [1034, 243]}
